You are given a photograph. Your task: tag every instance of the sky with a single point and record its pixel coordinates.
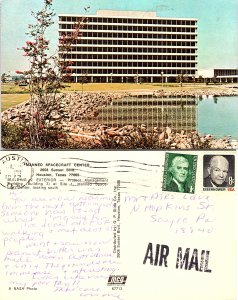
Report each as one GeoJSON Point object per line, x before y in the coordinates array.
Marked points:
{"type": "Point", "coordinates": [217, 25]}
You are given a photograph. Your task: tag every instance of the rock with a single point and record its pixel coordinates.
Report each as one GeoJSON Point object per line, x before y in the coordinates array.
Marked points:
{"type": "Point", "coordinates": [162, 136]}
{"type": "Point", "coordinates": [56, 117]}
{"type": "Point", "coordinates": [168, 131]}
{"type": "Point", "coordinates": [16, 119]}
{"type": "Point", "coordinates": [181, 146]}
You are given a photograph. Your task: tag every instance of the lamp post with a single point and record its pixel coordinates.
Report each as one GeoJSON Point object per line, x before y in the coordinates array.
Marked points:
{"type": "Point", "coordinates": [162, 78]}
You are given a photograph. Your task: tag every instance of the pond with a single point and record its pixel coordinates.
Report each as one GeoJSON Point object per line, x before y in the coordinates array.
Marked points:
{"type": "Point", "coordinates": [208, 115]}
{"type": "Point", "coordinates": [218, 116]}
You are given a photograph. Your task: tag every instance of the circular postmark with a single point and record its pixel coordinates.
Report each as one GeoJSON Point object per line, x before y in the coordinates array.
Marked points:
{"type": "Point", "coordinates": [15, 171]}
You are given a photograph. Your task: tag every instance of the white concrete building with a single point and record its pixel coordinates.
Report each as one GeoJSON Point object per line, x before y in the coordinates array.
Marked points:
{"type": "Point", "coordinates": [129, 46]}
{"type": "Point", "coordinates": [222, 75]}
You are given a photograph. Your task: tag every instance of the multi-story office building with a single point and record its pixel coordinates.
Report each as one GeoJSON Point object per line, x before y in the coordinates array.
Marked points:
{"type": "Point", "coordinates": [127, 46]}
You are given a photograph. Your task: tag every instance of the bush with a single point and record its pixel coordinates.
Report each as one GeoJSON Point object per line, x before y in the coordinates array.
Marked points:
{"type": "Point", "coordinates": [15, 136]}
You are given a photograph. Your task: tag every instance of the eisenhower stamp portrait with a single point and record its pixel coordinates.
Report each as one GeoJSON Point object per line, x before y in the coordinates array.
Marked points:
{"type": "Point", "coordinates": [218, 172]}
{"type": "Point", "coordinates": [179, 173]}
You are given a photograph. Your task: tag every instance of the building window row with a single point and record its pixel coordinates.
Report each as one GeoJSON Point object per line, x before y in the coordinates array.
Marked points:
{"type": "Point", "coordinates": [141, 21]}
{"type": "Point", "coordinates": [127, 35]}
{"type": "Point", "coordinates": [224, 72]}
{"type": "Point", "coordinates": [133, 64]}
{"type": "Point", "coordinates": [130, 57]}
{"type": "Point", "coordinates": [135, 50]}
{"type": "Point", "coordinates": [140, 72]}
{"type": "Point", "coordinates": [133, 35]}
{"type": "Point", "coordinates": [136, 43]}
{"type": "Point", "coordinates": [96, 27]}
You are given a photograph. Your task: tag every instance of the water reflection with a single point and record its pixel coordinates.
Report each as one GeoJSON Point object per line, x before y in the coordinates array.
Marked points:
{"type": "Point", "coordinates": [179, 113]}
{"type": "Point", "coordinates": [206, 114]}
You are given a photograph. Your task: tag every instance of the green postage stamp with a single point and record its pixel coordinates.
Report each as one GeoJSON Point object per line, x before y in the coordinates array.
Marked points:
{"type": "Point", "coordinates": [179, 173]}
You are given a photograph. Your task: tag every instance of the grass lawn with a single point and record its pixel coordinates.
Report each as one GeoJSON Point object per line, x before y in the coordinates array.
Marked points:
{"type": "Point", "coordinates": [9, 100]}
{"type": "Point", "coordinates": [12, 88]}
{"type": "Point", "coordinates": [13, 94]}
{"type": "Point", "coordinates": [91, 87]}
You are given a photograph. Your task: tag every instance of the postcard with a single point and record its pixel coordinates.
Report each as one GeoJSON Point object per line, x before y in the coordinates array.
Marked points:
{"type": "Point", "coordinates": [119, 74]}
{"type": "Point", "coordinates": [118, 225]}
{"type": "Point", "coordinates": [157, 78]}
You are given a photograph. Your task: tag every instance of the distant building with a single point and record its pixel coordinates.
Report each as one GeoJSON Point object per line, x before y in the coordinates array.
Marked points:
{"type": "Point", "coordinates": [127, 46]}
{"type": "Point", "coordinates": [221, 75]}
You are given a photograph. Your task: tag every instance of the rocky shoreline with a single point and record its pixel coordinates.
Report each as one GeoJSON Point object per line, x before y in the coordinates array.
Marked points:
{"type": "Point", "coordinates": [197, 93]}
{"type": "Point", "coordinates": [131, 137]}
{"type": "Point", "coordinates": [75, 109]}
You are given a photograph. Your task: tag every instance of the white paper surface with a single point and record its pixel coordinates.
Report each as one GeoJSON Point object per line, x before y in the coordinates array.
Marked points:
{"type": "Point", "coordinates": [98, 214]}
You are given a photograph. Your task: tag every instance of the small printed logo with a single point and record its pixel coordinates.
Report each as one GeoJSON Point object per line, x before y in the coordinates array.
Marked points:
{"type": "Point", "coordinates": [117, 280]}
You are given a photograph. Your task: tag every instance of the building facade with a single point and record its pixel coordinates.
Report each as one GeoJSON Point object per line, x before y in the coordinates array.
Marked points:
{"type": "Point", "coordinates": [130, 46]}
{"type": "Point", "coordinates": [226, 75]}
{"type": "Point", "coordinates": [222, 75]}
